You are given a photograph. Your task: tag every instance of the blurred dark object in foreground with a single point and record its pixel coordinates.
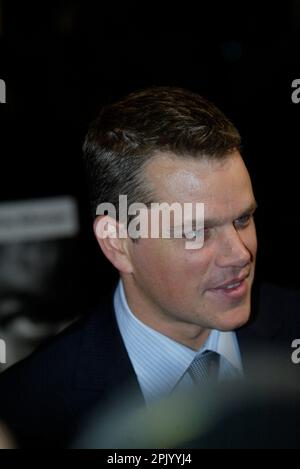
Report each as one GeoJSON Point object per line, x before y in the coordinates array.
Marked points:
{"type": "Point", "coordinates": [260, 411]}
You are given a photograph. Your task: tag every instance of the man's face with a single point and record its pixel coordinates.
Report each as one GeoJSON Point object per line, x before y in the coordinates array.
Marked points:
{"type": "Point", "coordinates": [180, 291]}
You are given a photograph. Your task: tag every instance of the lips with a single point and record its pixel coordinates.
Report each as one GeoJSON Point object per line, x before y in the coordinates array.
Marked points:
{"type": "Point", "coordinates": [232, 283]}
{"type": "Point", "coordinates": [234, 289]}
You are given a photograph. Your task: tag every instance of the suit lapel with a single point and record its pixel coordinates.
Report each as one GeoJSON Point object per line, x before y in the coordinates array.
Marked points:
{"type": "Point", "coordinates": [104, 364]}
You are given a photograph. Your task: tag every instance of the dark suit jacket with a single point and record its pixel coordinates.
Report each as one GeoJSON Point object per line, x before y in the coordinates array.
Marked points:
{"type": "Point", "coordinates": [44, 398]}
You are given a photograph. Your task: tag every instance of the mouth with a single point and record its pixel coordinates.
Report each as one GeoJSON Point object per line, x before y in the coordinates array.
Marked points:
{"type": "Point", "coordinates": [235, 288]}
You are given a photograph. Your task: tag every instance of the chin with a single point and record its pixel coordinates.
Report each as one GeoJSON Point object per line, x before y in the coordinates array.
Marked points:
{"type": "Point", "coordinates": [233, 319]}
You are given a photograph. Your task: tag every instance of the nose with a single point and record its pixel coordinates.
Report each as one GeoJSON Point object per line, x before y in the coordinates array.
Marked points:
{"type": "Point", "coordinates": [232, 251]}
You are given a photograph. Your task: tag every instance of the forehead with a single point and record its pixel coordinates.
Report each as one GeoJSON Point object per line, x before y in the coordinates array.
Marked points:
{"type": "Point", "coordinates": [221, 185]}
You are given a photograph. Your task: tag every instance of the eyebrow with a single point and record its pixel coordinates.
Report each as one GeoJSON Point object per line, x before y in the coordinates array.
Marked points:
{"type": "Point", "coordinates": [212, 222]}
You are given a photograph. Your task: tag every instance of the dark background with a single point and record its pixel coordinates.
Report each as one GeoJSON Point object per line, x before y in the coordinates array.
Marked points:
{"type": "Point", "coordinates": [62, 60]}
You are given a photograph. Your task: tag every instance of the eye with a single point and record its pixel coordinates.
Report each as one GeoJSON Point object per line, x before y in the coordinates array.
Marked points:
{"type": "Point", "coordinates": [242, 221]}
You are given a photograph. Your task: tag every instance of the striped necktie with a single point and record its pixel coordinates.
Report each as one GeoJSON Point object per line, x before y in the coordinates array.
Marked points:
{"type": "Point", "coordinates": [204, 367]}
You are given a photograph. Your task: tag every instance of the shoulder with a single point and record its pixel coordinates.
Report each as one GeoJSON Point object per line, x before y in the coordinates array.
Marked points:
{"type": "Point", "coordinates": [60, 354]}
{"type": "Point", "coordinates": [275, 318]}
{"type": "Point", "coordinates": [55, 354]}
{"type": "Point", "coordinates": [37, 398]}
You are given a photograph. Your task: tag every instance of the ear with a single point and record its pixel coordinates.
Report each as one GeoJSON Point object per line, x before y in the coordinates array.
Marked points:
{"type": "Point", "coordinates": [107, 231]}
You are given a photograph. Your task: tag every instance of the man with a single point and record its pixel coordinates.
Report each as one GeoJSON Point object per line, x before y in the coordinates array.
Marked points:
{"type": "Point", "coordinates": [173, 306]}
{"type": "Point", "coordinates": [189, 157]}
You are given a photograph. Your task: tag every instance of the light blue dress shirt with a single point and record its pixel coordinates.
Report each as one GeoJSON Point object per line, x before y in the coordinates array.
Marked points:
{"type": "Point", "coordinates": [161, 363]}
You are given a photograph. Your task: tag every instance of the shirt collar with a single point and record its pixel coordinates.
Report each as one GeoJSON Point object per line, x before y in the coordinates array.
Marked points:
{"type": "Point", "coordinates": [159, 361]}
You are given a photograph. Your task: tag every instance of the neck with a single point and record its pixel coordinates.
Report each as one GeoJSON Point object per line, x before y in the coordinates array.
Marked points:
{"type": "Point", "coordinates": [190, 335]}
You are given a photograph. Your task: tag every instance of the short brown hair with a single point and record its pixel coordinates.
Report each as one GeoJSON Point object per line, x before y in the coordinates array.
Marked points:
{"type": "Point", "coordinates": [128, 133]}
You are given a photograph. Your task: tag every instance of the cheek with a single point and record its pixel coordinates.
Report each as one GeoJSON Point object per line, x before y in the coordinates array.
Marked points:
{"type": "Point", "coordinates": [159, 265]}
{"type": "Point", "coordinates": [198, 267]}
{"type": "Point", "coordinates": [250, 240]}
{"type": "Point", "coordinates": [149, 258]}
{"type": "Point", "coordinates": [168, 267]}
